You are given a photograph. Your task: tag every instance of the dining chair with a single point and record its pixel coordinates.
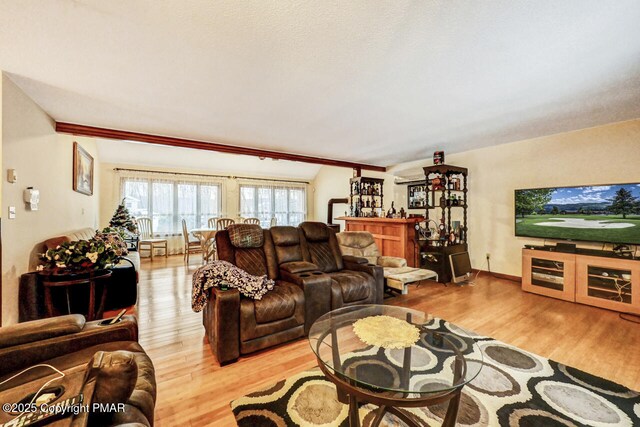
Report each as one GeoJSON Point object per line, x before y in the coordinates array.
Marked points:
{"type": "Point", "coordinates": [145, 228]}
{"type": "Point", "coordinates": [274, 221]}
{"type": "Point", "coordinates": [223, 223]}
{"type": "Point", "coordinates": [190, 246]}
{"type": "Point", "coordinates": [255, 221]}
{"type": "Point", "coordinates": [211, 222]}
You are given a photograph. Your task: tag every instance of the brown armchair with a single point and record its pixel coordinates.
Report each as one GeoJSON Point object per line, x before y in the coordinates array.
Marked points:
{"type": "Point", "coordinates": [237, 325]}
{"type": "Point", "coordinates": [354, 280]}
{"type": "Point", "coordinates": [362, 244]}
{"type": "Point", "coordinates": [69, 343]}
{"type": "Point", "coordinates": [396, 273]}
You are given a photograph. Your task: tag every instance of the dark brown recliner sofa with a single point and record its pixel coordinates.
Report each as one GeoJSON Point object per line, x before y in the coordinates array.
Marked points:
{"type": "Point", "coordinates": [354, 281]}
{"type": "Point", "coordinates": [69, 343]}
{"type": "Point", "coordinates": [237, 325]}
{"type": "Point", "coordinates": [293, 268]}
{"type": "Point", "coordinates": [311, 276]}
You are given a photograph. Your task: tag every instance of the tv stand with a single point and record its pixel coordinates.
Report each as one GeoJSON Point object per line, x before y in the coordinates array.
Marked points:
{"type": "Point", "coordinates": [584, 251]}
{"type": "Point", "coordinates": [588, 276]}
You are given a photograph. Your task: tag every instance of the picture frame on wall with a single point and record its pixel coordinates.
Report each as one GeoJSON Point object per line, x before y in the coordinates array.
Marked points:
{"type": "Point", "coordinates": [82, 170]}
{"type": "Point", "coordinates": [417, 196]}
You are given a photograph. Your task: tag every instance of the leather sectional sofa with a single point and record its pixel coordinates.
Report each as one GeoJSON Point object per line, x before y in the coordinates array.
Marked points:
{"type": "Point", "coordinates": [123, 372]}
{"type": "Point", "coordinates": [312, 278]}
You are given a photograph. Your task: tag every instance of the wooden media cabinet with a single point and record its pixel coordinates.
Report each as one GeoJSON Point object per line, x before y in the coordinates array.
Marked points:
{"type": "Point", "coordinates": [599, 278]}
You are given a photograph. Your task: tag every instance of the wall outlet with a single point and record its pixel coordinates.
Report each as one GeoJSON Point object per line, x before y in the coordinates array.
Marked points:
{"type": "Point", "coordinates": [12, 212]}
{"type": "Point", "coordinates": [488, 256]}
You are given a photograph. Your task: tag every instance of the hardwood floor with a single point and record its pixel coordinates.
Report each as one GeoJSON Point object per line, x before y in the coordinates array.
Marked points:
{"type": "Point", "coordinates": [194, 390]}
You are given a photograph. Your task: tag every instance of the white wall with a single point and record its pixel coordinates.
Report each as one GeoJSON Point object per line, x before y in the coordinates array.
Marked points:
{"type": "Point", "coordinates": [44, 160]}
{"type": "Point", "coordinates": [600, 155]}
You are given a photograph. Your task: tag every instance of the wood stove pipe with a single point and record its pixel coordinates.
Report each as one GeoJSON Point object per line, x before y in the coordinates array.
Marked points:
{"type": "Point", "coordinates": [330, 208]}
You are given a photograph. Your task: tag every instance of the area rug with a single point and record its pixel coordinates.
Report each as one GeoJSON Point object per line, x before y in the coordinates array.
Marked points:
{"type": "Point", "coordinates": [514, 388]}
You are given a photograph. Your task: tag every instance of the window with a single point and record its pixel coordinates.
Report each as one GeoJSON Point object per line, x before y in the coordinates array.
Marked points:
{"type": "Point", "coordinates": [287, 204]}
{"type": "Point", "coordinates": [168, 202]}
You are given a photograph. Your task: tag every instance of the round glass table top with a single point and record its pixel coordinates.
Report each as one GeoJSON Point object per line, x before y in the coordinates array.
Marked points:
{"type": "Point", "coordinates": [395, 349]}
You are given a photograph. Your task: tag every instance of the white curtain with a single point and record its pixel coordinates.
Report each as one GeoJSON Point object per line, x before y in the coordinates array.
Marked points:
{"type": "Point", "coordinates": [169, 198]}
{"type": "Point", "coordinates": [265, 200]}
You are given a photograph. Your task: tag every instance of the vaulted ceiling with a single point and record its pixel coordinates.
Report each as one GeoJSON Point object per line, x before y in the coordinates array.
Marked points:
{"type": "Point", "coordinates": [378, 82]}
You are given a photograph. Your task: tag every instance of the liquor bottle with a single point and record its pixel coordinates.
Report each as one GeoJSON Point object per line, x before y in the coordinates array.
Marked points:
{"type": "Point", "coordinates": [392, 211]}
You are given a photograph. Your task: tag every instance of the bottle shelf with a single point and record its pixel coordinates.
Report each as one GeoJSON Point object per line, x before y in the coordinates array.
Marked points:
{"type": "Point", "coordinates": [366, 189]}
{"type": "Point", "coordinates": [442, 184]}
{"type": "Point", "coordinates": [443, 207]}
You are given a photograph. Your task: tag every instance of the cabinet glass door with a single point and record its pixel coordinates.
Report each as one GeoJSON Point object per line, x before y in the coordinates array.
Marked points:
{"type": "Point", "coordinates": [609, 284]}
{"type": "Point", "coordinates": [547, 273]}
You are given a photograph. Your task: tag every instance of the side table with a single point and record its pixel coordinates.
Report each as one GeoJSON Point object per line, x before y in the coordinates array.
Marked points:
{"type": "Point", "coordinates": [74, 280]}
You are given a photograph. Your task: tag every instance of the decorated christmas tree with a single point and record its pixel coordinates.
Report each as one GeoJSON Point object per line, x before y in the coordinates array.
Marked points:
{"type": "Point", "coordinates": [123, 220]}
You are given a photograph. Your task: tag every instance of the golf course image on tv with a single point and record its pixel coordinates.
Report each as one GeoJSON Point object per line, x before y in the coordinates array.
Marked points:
{"type": "Point", "coordinates": [602, 213]}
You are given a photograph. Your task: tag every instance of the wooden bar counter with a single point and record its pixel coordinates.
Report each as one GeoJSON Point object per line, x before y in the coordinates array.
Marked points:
{"type": "Point", "coordinates": [394, 236]}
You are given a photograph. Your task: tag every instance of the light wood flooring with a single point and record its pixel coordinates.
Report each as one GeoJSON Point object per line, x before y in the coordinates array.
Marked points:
{"type": "Point", "coordinates": [193, 390]}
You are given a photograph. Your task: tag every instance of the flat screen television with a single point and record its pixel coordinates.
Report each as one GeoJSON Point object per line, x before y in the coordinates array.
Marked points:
{"type": "Point", "coordinates": [600, 213]}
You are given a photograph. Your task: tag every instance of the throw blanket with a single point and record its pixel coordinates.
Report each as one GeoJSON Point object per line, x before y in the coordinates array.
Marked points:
{"type": "Point", "coordinates": [218, 272]}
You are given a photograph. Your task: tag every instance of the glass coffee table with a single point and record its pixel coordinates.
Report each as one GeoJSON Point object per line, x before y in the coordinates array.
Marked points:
{"type": "Point", "coordinates": [395, 358]}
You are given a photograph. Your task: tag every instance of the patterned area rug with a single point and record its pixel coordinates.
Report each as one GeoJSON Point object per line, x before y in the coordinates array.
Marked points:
{"type": "Point", "coordinates": [514, 388]}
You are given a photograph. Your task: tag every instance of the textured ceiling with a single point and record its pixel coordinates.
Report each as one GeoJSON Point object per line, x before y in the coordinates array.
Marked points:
{"type": "Point", "coordinates": [378, 82]}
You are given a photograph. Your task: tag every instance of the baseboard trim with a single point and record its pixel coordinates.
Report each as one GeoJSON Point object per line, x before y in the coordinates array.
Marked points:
{"type": "Point", "coordinates": [501, 275]}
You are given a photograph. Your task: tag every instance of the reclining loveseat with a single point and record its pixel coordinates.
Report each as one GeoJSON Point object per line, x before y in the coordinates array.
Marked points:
{"type": "Point", "coordinates": [311, 278]}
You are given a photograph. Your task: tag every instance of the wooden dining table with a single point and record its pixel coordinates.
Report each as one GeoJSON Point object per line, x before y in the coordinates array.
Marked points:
{"type": "Point", "coordinates": [207, 238]}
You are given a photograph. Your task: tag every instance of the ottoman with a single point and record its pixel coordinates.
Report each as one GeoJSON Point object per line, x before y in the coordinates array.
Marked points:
{"type": "Point", "coordinates": [399, 278]}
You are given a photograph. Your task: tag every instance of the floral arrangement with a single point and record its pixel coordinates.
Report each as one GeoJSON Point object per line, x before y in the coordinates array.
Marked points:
{"type": "Point", "coordinates": [84, 255]}
{"type": "Point", "coordinates": [113, 239]}
{"type": "Point", "coordinates": [113, 230]}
